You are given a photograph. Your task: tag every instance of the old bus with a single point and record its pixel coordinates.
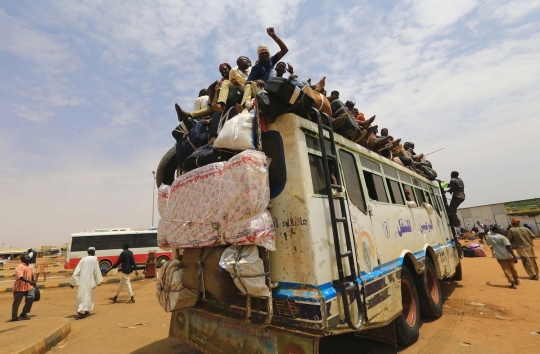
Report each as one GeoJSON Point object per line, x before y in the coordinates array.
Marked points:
{"type": "Point", "coordinates": [365, 256]}
{"type": "Point", "coordinates": [109, 244]}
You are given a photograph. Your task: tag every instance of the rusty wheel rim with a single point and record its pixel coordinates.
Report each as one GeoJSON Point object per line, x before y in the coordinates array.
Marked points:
{"type": "Point", "coordinates": [409, 303]}
{"type": "Point", "coordinates": [433, 286]}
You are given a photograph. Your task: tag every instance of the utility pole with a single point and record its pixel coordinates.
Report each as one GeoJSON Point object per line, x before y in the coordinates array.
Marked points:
{"type": "Point", "coordinates": [153, 191]}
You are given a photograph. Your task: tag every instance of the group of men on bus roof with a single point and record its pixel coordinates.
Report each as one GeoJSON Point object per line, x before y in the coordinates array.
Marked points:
{"type": "Point", "coordinates": [252, 79]}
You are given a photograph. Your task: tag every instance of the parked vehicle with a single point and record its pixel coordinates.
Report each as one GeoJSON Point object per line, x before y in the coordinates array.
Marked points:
{"type": "Point", "coordinates": [361, 245]}
{"type": "Point", "coordinates": [109, 244]}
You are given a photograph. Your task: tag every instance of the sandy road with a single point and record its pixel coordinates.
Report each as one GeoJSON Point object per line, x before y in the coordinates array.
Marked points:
{"type": "Point", "coordinates": [500, 320]}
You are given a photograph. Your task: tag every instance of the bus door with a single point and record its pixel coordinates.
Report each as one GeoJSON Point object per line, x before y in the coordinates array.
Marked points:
{"type": "Point", "coordinates": [361, 228]}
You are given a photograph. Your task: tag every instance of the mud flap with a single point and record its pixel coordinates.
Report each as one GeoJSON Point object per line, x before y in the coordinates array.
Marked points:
{"type": "Point", "coordinates": [386, 334]}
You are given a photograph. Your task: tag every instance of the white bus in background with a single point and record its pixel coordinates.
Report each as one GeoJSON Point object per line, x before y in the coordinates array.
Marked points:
{"type": "Point", "coordinates": [109, 244]}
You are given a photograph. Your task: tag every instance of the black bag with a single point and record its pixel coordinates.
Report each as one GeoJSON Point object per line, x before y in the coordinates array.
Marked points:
{"type": "Point", "coordinates": [206, 155]}
{"type": "Point", "coordinates": [196, 137]}
{"type": "Point", "coordinates": [346, 125]}
{"type": "Point", "coordinates": [338, 108]}
{"type": "Point", "coordinates": [37, 294]}
{"type": "Point", "coordinates": [235, 96]}
{"type": "Point", "coordinates": [283, 88]}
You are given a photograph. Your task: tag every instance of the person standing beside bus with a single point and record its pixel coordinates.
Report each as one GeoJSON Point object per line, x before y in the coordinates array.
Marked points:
{"type": "Point", "coordinates": [505, 255]}
{"type": "Point", "coordinates": [23, 288]}
{"type": "Point", "coordinates": [457, 188]}
{"type": "Point", "coordinates": [87, 275]}
{"type": "Point", "coordinates": [128, 265]}
{"type": "Point", "coordinates": [522, 238]}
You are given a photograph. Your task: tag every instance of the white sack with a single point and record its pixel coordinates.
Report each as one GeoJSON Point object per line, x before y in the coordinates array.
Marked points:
{"type": "Point", "coordinates": [237, 133]}
{"type": "Point", "coordinates": [243, 262]}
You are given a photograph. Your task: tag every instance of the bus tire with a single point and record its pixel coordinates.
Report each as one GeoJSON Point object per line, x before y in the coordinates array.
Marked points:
{"type": "Point", "coordinates": [429, 292]}
{"type": "Point", "coordinates": [105, 264]}
{"type": "Point", "coordinates": [166, 170]}
{"type": "Point", "coordinates": [161, 261]}
{"type": "Point", "coordinates": [408, 322]}
{"type": "Point", "coordinates": [458, 275]}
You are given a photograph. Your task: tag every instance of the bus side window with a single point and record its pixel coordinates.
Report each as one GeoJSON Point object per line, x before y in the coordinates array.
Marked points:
{"type": "Point", "coordinates": [352, 179]}
{"type": "Point", "coordinates": [409, 195]}
{"type": "Point", "coordinates": [116, 242]}
{"type": "Point", "coordinates": [82, 243]}
{"type": "Point", "coordinates": [395, 192]}
{"type": "Point", "coordinates": [151, 240]}
{"type": "Point", "coordinates": [419, 196]}
{"type": "Point", "coordinates": [375, 186]}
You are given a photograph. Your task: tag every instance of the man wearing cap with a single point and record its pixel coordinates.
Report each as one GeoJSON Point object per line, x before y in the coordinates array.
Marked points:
{"type": "Point", "coordinates": [87, 275]}
{"type": "Point", "coordinates": [264, 69]}
{"type": "Point", "coordinates": [504, 255]}
{"type": "Point", "coordinates": [457, 188]}
{"type": "Point", "coordinates": [521, 239]}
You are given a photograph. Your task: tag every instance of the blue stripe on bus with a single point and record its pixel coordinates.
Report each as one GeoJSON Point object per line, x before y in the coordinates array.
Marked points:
{"type": "Point", "coordinates": [297, 291]}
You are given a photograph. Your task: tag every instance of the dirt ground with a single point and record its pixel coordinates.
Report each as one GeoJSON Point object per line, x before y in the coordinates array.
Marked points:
{"type": "Point", "coordinates": [481, 315]}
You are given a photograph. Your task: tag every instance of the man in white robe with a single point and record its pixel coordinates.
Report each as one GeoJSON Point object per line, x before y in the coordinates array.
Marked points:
{"type": "Point", "coordinates": [87, 275]}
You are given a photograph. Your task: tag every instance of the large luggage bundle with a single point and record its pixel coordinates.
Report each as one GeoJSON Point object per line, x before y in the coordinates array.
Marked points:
{"type": "Point", "coordinates": [171, 292]}
{"type": "Point", "coordinates": [206, 274]}
{"type": "Point", "coordinates": [221, 203]}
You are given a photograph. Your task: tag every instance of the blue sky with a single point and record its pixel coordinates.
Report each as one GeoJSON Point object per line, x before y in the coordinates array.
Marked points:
{"type": "Point", "coordinates": [87, 92]}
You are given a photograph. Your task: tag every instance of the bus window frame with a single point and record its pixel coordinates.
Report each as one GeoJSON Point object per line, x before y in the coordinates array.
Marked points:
{"type": "Point", "coordinates": [358, 175]}
{"type": "Point", "coordinates": [275, 191]}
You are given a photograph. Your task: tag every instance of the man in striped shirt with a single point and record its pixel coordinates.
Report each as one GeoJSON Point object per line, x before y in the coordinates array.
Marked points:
{"type": "Point", "coordinates": [23, 288]}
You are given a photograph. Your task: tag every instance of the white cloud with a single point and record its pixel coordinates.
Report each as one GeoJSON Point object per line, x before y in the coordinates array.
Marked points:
{"type": "Point", "coordinates": [514, 11]}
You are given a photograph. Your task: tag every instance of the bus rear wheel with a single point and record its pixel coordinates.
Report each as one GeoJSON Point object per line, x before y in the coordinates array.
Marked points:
{"type": "Point", "coordinates": [105, 264]}
{"type": "Point", "coordinates": [161, 261]}
{"type": "Point", "coordinates": [408, 323]}
{"type": "Point", "coordinates": [429, 292]}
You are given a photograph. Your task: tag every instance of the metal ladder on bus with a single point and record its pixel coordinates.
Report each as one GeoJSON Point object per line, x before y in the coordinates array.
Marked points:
{"type": "Point", "coordinates": [347, 283]}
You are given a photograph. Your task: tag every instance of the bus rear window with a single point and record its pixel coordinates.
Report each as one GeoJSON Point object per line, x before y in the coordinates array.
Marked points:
{"type": "Point", "coordinates": [317, 174]}
{"type": "Point", "coordinates": [273, 148]}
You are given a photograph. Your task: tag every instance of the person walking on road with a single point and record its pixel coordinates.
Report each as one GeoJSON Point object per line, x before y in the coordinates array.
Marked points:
{"type": "Point", "coordinates": [481, 231]}
{"type": "Point", "coordinates": [457, 188]}
{"type": "Point", "coordinates": [23, 288]}
{"type": "Point", "coordinates": [522, 238]}
{"type": "Point", "coordinates": [504, 255]}
{"type": "Point", "coordinates": [128, 265]}
{"type": "Point", "coordinates": [87, 275]}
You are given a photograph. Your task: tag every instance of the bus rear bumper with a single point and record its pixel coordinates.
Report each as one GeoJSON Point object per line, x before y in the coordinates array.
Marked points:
{"type": "Point", "coordinates": [213, 334]}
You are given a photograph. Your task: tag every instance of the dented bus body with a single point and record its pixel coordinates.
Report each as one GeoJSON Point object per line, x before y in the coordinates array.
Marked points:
{"type": "Point", "coordinates": [402, 246]}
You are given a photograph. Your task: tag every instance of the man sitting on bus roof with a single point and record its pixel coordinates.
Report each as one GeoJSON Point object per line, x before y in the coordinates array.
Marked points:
{"type": "Point", "coordinates": [264, 68]}
{"type": "Point", "coordinates": [213, 93]}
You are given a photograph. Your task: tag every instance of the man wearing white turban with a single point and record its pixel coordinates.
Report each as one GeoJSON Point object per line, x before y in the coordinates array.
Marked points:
{"type": "Point", "coordinates": [264, 69]}
{"type": "Point", "coordinates": [87, 275]}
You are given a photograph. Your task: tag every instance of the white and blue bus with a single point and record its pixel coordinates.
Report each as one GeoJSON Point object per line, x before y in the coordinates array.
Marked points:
{"type": "Point", "coordinates": [365, 256]}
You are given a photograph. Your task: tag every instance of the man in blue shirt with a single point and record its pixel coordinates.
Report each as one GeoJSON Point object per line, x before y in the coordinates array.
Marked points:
{"type": "Point", "coordinates": [264, 69]}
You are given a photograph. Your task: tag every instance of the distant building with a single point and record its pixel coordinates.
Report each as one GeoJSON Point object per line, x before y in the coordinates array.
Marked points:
{"type": "Point", "coordinates": [527, 211]}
